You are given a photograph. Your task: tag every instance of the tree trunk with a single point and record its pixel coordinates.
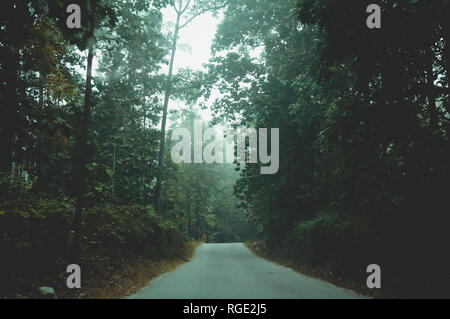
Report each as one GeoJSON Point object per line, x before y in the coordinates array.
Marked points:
{"type": "Point", "coordinates": [162, 143]}
{"type": "Point", "coordinates": [9, 120]}
{"type": "Point", "coordinates": [81, 165]}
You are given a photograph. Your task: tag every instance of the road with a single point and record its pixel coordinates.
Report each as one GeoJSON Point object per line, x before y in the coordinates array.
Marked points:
{"type": "Point", "coordinates": [232, 271]}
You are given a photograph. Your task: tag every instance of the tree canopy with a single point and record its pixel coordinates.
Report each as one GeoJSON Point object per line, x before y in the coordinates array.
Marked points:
{"type": "Point", "coordinates": [86, 117]}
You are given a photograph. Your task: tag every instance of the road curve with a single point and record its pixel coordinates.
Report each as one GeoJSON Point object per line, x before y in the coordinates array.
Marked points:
{"type": "Point", "coordinates": [232, 271]}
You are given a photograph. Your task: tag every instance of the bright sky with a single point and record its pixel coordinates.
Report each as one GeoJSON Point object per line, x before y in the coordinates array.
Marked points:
{"type": "Point", "coordinates": [199, 35]}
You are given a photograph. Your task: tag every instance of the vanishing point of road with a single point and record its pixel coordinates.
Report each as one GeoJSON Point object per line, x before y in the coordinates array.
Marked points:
{"type": "Point", "coordinates": [232, 271]}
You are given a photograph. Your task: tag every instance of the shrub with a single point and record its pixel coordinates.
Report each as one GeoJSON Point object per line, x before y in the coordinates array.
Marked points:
{"type": "Point", "coordinates": [36, 237]}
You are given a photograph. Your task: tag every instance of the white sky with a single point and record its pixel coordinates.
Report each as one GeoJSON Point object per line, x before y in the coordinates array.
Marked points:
{"type": "Point", "coordinates": [199, 35]}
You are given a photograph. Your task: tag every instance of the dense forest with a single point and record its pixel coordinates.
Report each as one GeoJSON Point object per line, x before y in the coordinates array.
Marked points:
{"type": "Point", "coordinates": [86, 117]}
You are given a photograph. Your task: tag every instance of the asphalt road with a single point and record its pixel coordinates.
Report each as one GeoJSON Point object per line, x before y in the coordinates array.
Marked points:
{"type": "Point", "coordinates": [232, 271]}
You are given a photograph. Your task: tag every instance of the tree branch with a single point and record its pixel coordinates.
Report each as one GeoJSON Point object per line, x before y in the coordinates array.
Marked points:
{"type": "Point", "coordinates": [200, 13]}
{"type": "Point", "coordinates": [172, 3]}
{"type": "Point", "coordinates": [185, 7]}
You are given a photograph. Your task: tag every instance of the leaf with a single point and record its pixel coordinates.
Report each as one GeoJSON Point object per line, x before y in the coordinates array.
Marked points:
{"type": "Point", "coordinates": [110, 172]}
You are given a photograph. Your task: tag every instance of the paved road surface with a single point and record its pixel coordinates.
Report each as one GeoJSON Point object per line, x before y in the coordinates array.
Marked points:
{"type": "Point", "coordinates": [232, 271]}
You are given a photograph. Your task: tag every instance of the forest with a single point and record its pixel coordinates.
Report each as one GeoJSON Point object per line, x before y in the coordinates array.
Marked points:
{"type": "Point", "coordinates": [86, 116]}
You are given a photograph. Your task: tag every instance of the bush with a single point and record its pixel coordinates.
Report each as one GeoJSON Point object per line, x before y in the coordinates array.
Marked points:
{"type": "Point", "coordinates": [36, 237]}
{"type": "Point", "coordinates": [329, 241]}
{"type": "Point", "coordinates": [131, 228]}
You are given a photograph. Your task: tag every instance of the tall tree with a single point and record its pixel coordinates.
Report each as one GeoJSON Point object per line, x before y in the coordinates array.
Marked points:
{"type": "Point", "coordinates": [82, 159]}
{"type": "Point", "coordinates": [186, 12]}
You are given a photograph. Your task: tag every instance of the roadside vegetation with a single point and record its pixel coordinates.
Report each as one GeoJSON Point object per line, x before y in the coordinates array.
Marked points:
{"type": "Point", "coordinates": [364, 119]}
{"type": "Point", "coordinates": [77, 194]}
{"type": "Point", "coordinates": [123, 248]}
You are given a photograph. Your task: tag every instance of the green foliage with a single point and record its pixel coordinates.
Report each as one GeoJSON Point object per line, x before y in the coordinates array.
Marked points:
{"type": "Point", "coordinates": [132, 228]}
{"type": "Point", "coordinates": [36, 236]}
{"type": "Point", "coordinates": [41, 113]}
{"type": "Point", "coordinates": [41, 101]}
{"type": "Point", "coordinates": [201, 196]}
{"type": "Point", "coordinates": [363, 118]}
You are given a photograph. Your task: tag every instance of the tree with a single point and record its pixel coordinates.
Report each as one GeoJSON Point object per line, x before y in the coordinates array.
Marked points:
{"type": "Point", "coordinates": [188, 10]}
{"type": "Point", "coordinates": [81, 165]}
{"type": "Point", "coordinates": [363, 121]}
{"type": "Point", "coordinates": [201, 195]}
{"type": "Point", "coordinates": [126, 107]}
